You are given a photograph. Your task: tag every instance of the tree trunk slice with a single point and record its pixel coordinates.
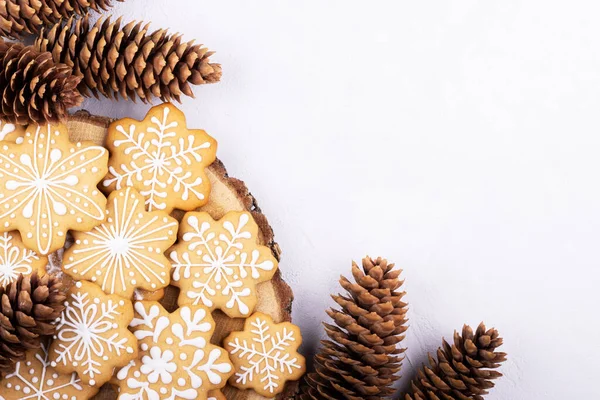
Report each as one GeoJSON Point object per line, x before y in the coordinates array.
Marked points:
{"type": "Point", "coordinates": [227, 194]}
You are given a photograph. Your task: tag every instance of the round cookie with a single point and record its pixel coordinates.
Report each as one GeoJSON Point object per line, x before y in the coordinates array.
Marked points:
{"type": "Point", "coordinates": [219, 263]}
{"type": "Point", "coordinates": [48, 186]}
{"type": "Point", "coordinates": [265, 355]}
{"type": "Point", "coordinates": [92, 338]}
{"type": "Point", "coordinates": [126, 251]}
{"type": "Point", "coordinates": [35, 378]}
{"type": "Point", "coordinates": [176, 357]}
{"type": "Point", "coordinates": [161, 158]}
{"type": "Point", "coordinates": [16, 259]}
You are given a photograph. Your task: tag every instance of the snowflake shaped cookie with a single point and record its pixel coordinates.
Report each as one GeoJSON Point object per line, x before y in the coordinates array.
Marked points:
{"type": "Point", "coordinates": [265, 355]}
{"type": "Point", "coordinates": [127, 250]}
{"type": "Point", "coordinates": [161, 158]}
{"type": "Point", "coordinates": [48, 186]}
{"type": "Point", "coordinates": [92, 337]}
{"type": "Point", "coordinates": [218, 263]}
{"type": "Point", "coordinates": [16, 259]}
{"type": "Point", "coordinates": [176, 359]}
{"type": "Point", "coordinates": [35, 379]}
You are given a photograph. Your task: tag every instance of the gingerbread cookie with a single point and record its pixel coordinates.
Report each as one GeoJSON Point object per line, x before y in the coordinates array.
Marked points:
{"type": "Point", "coordinates": [48, 186]}
{"type": "Point", "coordinates": [216, 395]}
{"type": "Point", "coordinates": [218, 263]}
{"type": "Point", "coordinates": [16, 259]}
{"type": "Point", "coordinates": [35, 378]}
{"type": "Point", "coordinates": [176, 359]}
{"type": "Point", "coordinates": [161, 158]}
{"type": "Point", "coordinates": [126, 251]}
{"type": "Point", "coordinates": [92, 338]}
{"type": "Point", "coordinates": [265, 355]}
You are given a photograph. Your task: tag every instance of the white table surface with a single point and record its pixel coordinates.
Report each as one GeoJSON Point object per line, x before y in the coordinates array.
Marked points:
{"type": "Point", "coordinates": [459, 139]}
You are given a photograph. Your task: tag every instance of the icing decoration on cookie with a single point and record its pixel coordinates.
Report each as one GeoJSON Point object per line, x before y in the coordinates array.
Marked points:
{"type": "Point", "coordinates": [92, 336]}
{"type": "Point", "coordinates": [34, 378]}
{"type": "Point", "coordinates": [16, 259]}
{"type": "Point", "coordinates": [161, 158]}
{"type": "Point", "coordinates": [176, 359]}
{"type": "Point", "coordinates": [265, 355]}
{"type": "Point", "coordinates": [48, 186]}
{"type": "Point", "coordinates": [11, 132]}
{"type": "Point", "coordinates": [218, 263]}
{"type": "Point", "coordinates": [127, 250]}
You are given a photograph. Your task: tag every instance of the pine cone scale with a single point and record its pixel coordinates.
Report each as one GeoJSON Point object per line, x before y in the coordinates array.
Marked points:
{"type": "Point", "coordinates": [29, 308]}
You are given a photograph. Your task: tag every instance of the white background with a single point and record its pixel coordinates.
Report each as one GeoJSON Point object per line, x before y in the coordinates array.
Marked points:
{"type": "Point", "coordinates": [459, 139]}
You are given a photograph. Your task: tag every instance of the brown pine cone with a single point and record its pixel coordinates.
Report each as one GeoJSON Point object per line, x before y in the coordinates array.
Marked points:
{"type": "Point", "coordinates": [29, 308]}
{"type": "Point", "coordinates": [362, 358]}
{"type": "Point", "coordinates": [129, 61]}
{"type": "Point", "coordinates": [19, 17]}
{"type": "Point", "coordinates": [33, 87]}
{"type": "Point", "coordinates": [463, 370]}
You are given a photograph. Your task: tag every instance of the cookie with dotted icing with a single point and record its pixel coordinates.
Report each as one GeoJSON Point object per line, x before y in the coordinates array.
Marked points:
{"type": "Point", "coordinates": [161, 158]}
{"type": "Point", "coordinates": [126, 251]}
{"type": "Point", "coordinates": [34, 378]}
{"type": "Point", "coordinates": [48, 186]}
{"type": "Point", "coordinates": [176, 359]}
{"type": "Point", "coordinates": [16, 259]}
{"type": "Point", "coordinates": [92, 338]}
{"type": "Point", "coordinates": [219, 263]}
{"type": "Point", "coordinates": [265, 355]}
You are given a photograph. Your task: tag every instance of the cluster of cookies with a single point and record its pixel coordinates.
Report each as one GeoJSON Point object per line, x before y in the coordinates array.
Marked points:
{"type": "Point", "coordinates": [129, 244]}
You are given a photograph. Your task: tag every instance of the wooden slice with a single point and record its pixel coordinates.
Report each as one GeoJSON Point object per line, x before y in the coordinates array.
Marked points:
{"type": "Point", "coordinates": [227, 194]}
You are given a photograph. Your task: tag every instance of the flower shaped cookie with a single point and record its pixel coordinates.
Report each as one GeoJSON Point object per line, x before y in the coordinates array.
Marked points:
{"type": "Point", "coordinates": [48, 186]}
{"type": "Point", "coordinates": [265, 355]}
{"type": "Point", "coordinates": [92, 338]}
{"type": "Point", "coordinates": [176, 359]}
{"type": "Point", "coordinates": [218, 263]}
{"type": "Point", "coordinates": [161, 158]}
{"type": "Point", "coordinates": [126, 251]}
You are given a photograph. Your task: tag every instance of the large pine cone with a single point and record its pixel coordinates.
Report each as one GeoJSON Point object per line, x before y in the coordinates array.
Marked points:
{"type": "Point", "coordinates": [19, 17]}
{"type": "Point", "coordinates": [129, 61]}
{"type": "Point", "coordinates": [29, 308]}
{"type": "Point", "coordinates": [33, 87]}
{"type": "Point", "coordinates": [464, 370]}
{"type": "Point", "coordinates": [362, 359]}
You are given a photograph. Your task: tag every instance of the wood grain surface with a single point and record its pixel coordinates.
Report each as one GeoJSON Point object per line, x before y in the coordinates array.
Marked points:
{"type": "Point", "coordinates": [227, 194]}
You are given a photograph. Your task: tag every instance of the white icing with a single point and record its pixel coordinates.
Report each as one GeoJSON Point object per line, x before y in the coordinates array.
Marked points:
{"type": "Point", "coordinates": [126, 251]}
{"type": "Point", "coordinates": [37, 380]}
{"type": "Point", "coordinates": [5, 129]}
{"type": "Point", "coordinates": [228, 265]}
{"type": "Point", "coordinates": [267, 354]}
{"type": "Point", "coordinates": [44, 187]}
{"type": "Point", "coordinates": [87, 333]}
{"type": "Point", "coordinates": [14, 260]}
{"type": "Point", "coordinates": [165, 356]}
{"type": "Point", "coordinates": [164, 159]}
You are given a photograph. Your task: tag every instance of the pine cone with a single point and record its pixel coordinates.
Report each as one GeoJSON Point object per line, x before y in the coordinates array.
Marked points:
{"type": "Point", "coordinates": [464, 370]}
{"type": "Point", "coordinates": [19, 17]}
{"type": "Point", "coordinates": [128, 61]}
{"type": "Point", "coordinates": [33, 87]}
{"type": "Point", "coordinates": [29, 308]}
{"type": "Point", "coordinates": [362, 358]}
